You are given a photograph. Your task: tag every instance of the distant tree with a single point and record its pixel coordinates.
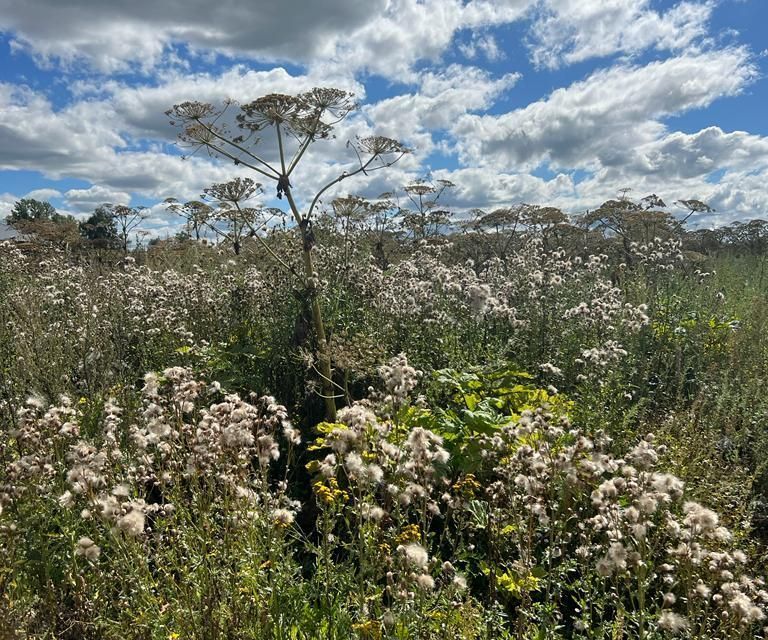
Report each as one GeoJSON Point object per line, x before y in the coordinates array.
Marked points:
{"type": "Point", "coordinates": [705, 241]}
{"type": "Point", "coordinates": [751, 236]}
{"type": "Point", "coordinates": [111, 225]}
{"type": "Point", "coordinates": [61, 231]}
{"type": "Point", "coordinates": [41, 222]}
{"type": "Point", "coordinates": [100, 228]}
{"type": "Point", "coordinates": [28, 209]}
{"type": "Point", "coordinates": [757, 236]}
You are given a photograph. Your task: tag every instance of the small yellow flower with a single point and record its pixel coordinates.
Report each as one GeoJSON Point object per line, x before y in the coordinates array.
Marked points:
{"type": "Point", "coordinates": [467, 486]}
{"type": "Point", "coordinates": [411, 533]}
{"type": "Point", "coordinates": [368, 630]}
{"type": "Point", "coordinates": [330, 494]}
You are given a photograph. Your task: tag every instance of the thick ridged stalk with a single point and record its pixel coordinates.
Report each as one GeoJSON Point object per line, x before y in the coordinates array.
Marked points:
{"type": "Point", "coordinates": [323, 348]}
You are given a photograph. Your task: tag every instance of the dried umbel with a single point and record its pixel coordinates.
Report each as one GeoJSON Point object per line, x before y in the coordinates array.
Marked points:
{"type": "Point", "coordinates": [419, 189]}
{"type": "Point", "coordinates": [381, 146]}
{"type": "Point", "coordinates": [191, 110]}
{"type": "Point", "coordinates": [235, 191]}
{"type": "Point", "coordinates": [337, 102]}
{"type": "Point", "coordinates": [273, 109]}
{"type": "Point", "coordinates": [300, 115]}
{"type": "Point", "coordinates": [198, 134]}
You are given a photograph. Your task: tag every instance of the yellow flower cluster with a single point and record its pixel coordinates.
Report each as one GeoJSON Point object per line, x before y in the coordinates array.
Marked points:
{"type": "Point", "coordinates": [518, 585]}
{"type": "Point", "coordinates": [330, 494]}
{"type": "Point", "coordinates": [467, 486]}
{"type": "Point", "coordinates": [411, 533]}
{"type": "Point", "coordinates": [368, 630]}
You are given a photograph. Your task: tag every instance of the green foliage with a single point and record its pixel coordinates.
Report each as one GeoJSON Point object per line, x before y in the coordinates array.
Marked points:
{"type": "Point", "coordinates": [28, 209]}
{"type": "Point", "coordinates": [480, 402]}
{"type": "Point", "coordinates": [100, 228]}
{"type": "Point", "coordinates": [507, 391]}
{"type": "Point", "coordinates": [465, 448]}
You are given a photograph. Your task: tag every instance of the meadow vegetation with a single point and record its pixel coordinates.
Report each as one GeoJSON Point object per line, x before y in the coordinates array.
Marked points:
{"type": "Point", "coordinates": [542, 427]}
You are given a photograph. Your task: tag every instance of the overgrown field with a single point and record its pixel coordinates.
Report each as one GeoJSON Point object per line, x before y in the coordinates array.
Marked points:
{"type": "Point", "coordinates": [537, 437]}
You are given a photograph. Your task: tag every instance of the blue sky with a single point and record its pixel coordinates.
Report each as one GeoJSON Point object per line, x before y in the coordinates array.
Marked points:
{"type": "Point", "coordinates": [551, 102]}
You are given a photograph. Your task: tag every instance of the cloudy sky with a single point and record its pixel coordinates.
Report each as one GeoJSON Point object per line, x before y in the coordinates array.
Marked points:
{"type": "Point", "coordinates": [556, 102]}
